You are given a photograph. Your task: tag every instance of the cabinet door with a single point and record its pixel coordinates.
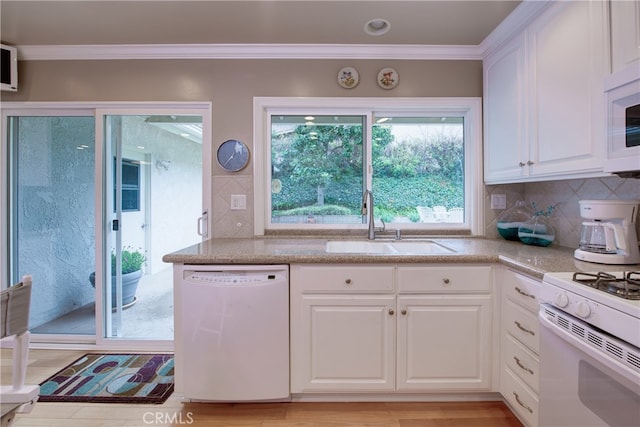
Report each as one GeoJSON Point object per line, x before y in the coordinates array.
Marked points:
{"type": "Point", "coordinates": [504, 112]}
{"type": "Point", "coordinates": [444, 343]}
{"type": "Point", "coordinates": [625, 34]}
{"type": "Point", "coordinates": [342, 343]}
{"type": "Point", "coordinates": [567, 64]}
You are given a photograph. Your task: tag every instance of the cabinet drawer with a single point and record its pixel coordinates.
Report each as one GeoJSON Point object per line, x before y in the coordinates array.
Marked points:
{"type": "Point", "coordinates": [343, 278]}
{"type": "Point", "coordinates": [447, 279]}
{"type": "Point", "coordinates": [520, 398]}
{"type": "Point", "coordinates": [523, 325]}
{"type": "Point", "coordinates": [522, 362]}
{"type": "Point", "coordinates": [522, 289]}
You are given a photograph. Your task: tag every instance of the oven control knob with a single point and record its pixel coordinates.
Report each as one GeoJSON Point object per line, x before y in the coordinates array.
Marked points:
{"type": "Point", "coordinates": [562, 300]}
{"type": "Point", "coordinates": [583, 310]}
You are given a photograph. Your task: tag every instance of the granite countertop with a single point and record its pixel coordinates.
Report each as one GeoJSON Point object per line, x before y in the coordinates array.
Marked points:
{"type": "Point", "coordinates": [532, 260]}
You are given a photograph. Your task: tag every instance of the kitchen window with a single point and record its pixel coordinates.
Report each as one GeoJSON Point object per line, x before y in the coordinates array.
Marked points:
{"type": "Point", "coordinates": [419, 156]}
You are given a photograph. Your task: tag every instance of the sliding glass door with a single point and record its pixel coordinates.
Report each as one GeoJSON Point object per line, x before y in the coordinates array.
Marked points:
{"type": "Point", "coordinates": [152, 200]}
{"type": "Point", "coordinates": [52, 218]}
{"type": "Point", "coordinates": [95, 198]}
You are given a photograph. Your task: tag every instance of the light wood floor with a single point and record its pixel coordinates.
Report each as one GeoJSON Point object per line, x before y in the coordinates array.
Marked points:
{"type": "Point", "coordinates": [44, 363]}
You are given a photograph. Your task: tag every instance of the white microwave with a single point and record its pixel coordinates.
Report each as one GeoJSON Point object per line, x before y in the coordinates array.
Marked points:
{"type": "Point", "coordinates": [622, 91]}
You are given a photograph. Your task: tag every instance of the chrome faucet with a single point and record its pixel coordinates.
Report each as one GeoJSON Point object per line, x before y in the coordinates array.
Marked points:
{"type": "Point", "coordinates": [367, 207]}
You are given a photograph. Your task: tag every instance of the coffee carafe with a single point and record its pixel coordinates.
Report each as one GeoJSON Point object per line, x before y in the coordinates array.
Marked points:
{"type": "Point", "coordinates": [609, 234]}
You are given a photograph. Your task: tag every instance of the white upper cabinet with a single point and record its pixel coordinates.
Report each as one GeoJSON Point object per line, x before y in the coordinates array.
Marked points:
{"type": "Point", "coordinates": [625, 34]}
{"type": "Point", "coordinates": [568, 63]}
{"type": "Point", "coordinates": [544, 98]}
{"type": "Point", "coordinates": [505, 139]}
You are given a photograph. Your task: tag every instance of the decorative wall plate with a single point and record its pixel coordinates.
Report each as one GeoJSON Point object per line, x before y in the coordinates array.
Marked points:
{"type": "Point", "coordinates": [233, 155]}
{"type": "Point", "coordinates": [388, 78]}
{"type": "Point", "coordinates": [348, 77]}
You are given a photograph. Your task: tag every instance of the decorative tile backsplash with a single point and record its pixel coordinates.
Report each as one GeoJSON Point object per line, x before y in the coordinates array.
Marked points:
{"type": "Point", "coordinates": [225, 222]}
{"type": "Point", "coordinates": [564, 195]}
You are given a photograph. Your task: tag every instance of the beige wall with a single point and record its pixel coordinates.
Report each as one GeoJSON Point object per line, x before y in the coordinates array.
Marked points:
{"type": "Point", "coordinates": [231, 85]}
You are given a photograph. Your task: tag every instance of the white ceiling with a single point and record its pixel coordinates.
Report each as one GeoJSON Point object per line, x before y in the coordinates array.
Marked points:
{"type": "Point", "coordinates": [94, 22]}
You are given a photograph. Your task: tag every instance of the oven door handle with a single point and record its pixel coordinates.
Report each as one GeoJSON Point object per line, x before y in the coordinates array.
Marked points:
{"type": "Point", "coordinates": [611, 362]}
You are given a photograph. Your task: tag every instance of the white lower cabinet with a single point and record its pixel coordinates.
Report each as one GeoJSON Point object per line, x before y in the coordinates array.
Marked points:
{"type": "Point", "coordinates": [443, 342]}
{"type": "Point", "coordinates": [342, 343]}
{"type": "Point", "coordinates": [361, 328]}
{"type": "Point", "coordinates": [519, 374]}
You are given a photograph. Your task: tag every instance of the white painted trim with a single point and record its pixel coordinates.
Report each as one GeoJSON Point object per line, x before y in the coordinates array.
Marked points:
{"type": "Point", "coordinates": [470, 107]}
{"type": "Point", "coordinates": [98, 110]}
{"type": "Point", "coordinates": [4, 214]}
{"type": "Point", "coordinates": [248, 51]}
{"type": "Point", "coordinates": [517, 20]}
{"type": "Point", "coordinates": [514, 22]}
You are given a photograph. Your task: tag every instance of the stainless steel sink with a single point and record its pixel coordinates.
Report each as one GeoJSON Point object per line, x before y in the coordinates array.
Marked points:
{"type": "Point", "coordinates": [397, 247]}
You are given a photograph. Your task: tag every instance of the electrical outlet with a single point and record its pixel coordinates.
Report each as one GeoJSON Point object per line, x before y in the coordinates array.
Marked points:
{"type": "Point", "coordinates": [238, 202]}
{"type": "Point", "coordinates": [498, 201]}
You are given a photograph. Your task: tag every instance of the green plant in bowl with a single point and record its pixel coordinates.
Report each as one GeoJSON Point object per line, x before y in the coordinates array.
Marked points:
{"type": "Point", "coordinates": [132, 260]}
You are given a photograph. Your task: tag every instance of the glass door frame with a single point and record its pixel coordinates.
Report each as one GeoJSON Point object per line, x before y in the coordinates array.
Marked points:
{"type": "Point", "coordinates": [103, 206]}
{"type": "Point", "coordinates": [98, 110]}
{"type": "Point", "coordinates": [7, 217]}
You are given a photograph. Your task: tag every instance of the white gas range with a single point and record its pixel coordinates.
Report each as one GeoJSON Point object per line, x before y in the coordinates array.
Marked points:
{"type": "Point", "coordinates": [590, 349]}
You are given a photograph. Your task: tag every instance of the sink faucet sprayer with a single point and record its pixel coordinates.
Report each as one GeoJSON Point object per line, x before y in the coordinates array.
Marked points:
{"type": "Point", "coordinates": [367, 207]}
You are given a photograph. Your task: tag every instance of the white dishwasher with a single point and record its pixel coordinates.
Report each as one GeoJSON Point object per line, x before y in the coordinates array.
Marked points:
{"type": "Point", "coordinates": [232, 332]}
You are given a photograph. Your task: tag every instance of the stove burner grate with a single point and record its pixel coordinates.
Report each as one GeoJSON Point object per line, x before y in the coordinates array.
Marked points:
{"type": "Point", "coordinates": [625, 286]}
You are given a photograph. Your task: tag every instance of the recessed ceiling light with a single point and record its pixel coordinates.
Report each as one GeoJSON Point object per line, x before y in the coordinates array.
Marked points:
{"type": "Point", "coordinates": [377, 27]}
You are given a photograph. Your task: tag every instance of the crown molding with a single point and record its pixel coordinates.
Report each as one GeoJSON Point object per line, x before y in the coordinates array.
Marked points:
{"type": "Point", "coordinates": [512, 24]}
{"type": "Point", "coordinates": [515, 22]}
{"type": "Point", "coordinates": [248, 51]}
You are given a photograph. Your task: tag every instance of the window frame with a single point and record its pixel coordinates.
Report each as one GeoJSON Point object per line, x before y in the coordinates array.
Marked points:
{"type": "Point", "coordinates": [467, 107]}
{"type": "Point", "coordinates": [136, 188]}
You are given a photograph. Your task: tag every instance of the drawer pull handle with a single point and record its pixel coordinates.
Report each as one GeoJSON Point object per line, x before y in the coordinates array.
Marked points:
{"type": "Point", "coordinates": [526, 294]}
{"type": "Point", "coordinates": [348, 281]}
{"type": "Point", "coordinates": [446, 281]}
{"type": "Point", "coordinates": [522, 404]}
{"type": "Point", "coordinates": [524, 368]}
{"type": "Point", "coordinates": [391, 312]}
{"type": "Point", "coordinates": [523, 329]}
{"type": "Point", "coordinates": [403, 311]}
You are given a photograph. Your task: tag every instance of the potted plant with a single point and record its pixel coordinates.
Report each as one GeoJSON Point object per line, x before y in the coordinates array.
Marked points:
{"type": "Point", "coordinates": [132, 262]}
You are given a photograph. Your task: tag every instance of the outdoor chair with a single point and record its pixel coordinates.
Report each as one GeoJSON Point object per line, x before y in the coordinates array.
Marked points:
{"type": "Point", "coordinates": [456, 215]}
{"type": "Point", "coordinates": [426, 214]}
{"type": "Point", "coordinates": [440, 212]}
